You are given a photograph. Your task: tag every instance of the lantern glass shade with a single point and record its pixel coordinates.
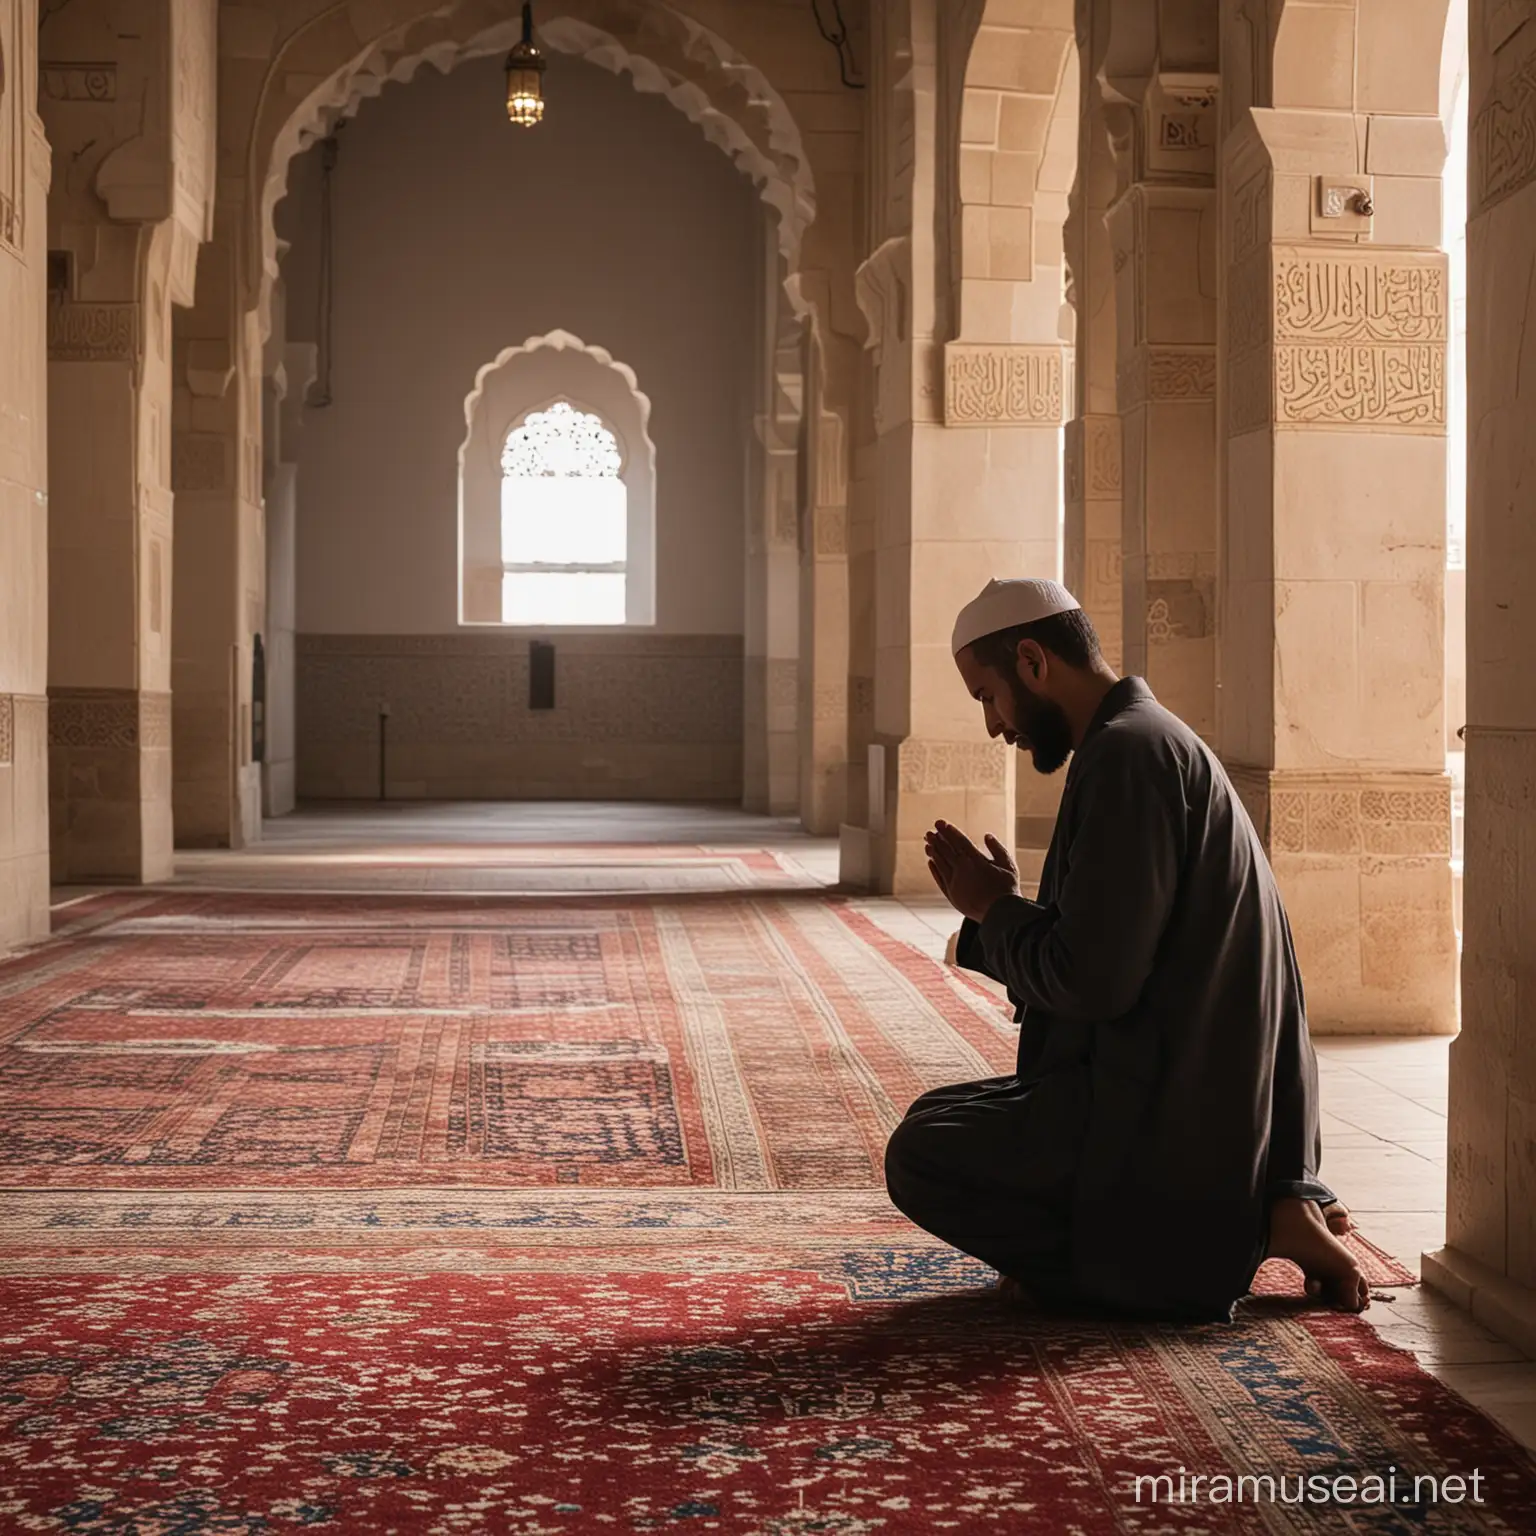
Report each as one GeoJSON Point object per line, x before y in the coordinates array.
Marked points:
{"type": "Point", "coordinates": [525, 85]}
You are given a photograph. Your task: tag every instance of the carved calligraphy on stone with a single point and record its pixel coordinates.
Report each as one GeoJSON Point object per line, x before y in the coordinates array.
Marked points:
{"type": "Point", "coordinates": [1181, 375]}
{"type": "Point", "coordinates": [78, 82]}
{"type": "Point", "coordinates": [1360, 341]}
{"type": "Point", "coordinates": [1388, 386]}
{"type": "Point", "coordinates": [1184, 131]}
{"type": "Point", "coordinates": [1104, 472]}
{"type": "Point", "coordinates": [1336, 298]}
{"type": "Point", "coordinates": [999, 386]}
{"type": "Point", "coordinates": [1250, 217]}
{"type": "Point", "coordinates": [1072, 463]}
{"type": "Point", "coordinates": [1504, 139]}
{"type": "Point", "coordinates": [927, 766]}
{"type": "Point", "coordinates": [93, 333]}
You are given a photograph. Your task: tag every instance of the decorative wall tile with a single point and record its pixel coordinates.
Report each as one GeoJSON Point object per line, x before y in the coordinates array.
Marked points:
{"type": "Point", "coordinates": [997, 386]}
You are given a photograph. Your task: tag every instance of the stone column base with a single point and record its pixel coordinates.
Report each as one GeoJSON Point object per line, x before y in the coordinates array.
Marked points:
{"type": "Point", "coordinates": [109, 777]}
{"type": "Point", "coordinates": [23, 819]}
{"type": "Point", "coordinates": [1501, 1305]}
{"type": "Point", "coordinates": [1364, 864]}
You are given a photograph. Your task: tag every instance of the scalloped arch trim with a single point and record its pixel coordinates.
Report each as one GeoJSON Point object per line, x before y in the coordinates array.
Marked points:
{"type": "Point", "coordinates": [731, 102]}
{"type": "Point", "coordinates": [558, 341]}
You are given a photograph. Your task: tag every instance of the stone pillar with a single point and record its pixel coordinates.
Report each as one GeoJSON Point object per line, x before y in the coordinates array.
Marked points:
{"type": "Point", "coordinates": [1331, 667]}
{"type": "Point", "coordinates": [1091, 560]}
{"type": "Point", "coordinates": [220, 554]}
{"type": "Point", "coordinates": [135, 115]}
{"type": "Point", "coordinates": [770, 705]}
{"type": "Point", "coordinates": [24, 178]}
{"type": "Point", "coordinates": [823, 616]}
{"type": "Point", "coordinates": [1163, 230]}
{"type": "Point", "coordinates": [1007, 374]}
{"type": "Point", "coordinates": [290, 369]}
{"type": "Point", "coordinates": [1489, 1264]}
{"type": "Point", "coordinates": [966, 463]}
{"type": "Point", "coordinates": [109, 540]}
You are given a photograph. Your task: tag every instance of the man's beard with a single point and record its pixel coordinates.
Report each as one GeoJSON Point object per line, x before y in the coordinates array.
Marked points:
{"type": "Point", "coordinates": [1045, 725]}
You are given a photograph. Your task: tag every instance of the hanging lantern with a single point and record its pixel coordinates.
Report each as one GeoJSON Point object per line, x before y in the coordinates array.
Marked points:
{"type": "Point", "coordinates": [525, 77]}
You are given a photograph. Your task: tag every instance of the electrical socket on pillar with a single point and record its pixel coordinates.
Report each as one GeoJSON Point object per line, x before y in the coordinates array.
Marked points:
{"type": "Point", "coordinates": [1344, 206]}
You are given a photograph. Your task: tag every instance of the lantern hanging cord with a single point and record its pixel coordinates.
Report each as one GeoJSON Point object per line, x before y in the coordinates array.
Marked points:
{"type": "Point", "coordinates": [836, 33]}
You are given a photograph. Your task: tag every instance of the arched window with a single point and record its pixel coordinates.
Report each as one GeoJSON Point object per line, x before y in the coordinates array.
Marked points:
{"type": "Point", "coordinates": [564, 520]}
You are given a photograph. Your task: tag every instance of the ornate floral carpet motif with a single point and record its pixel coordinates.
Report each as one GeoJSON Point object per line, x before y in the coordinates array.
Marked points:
{"type": "Point", "coordinates": [370, 1214]}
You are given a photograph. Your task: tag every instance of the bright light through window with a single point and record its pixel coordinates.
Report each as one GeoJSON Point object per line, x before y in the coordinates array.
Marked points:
{"type": "Point", "coordinates": [564, 521]}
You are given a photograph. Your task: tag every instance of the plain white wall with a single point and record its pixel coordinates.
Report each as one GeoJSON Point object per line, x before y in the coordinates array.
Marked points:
{"type": "Point", "coordinates": [457, 235]}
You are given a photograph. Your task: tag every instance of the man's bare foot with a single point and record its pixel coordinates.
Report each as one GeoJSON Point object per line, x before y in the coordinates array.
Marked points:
{"type": "Point", "coordinates": [1298, 1232]}
{"type": "Point", "coordinates": [1336, 1214]}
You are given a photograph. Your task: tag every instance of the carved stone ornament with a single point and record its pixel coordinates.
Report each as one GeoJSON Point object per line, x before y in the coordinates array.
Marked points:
{"type": "Point", "coordinates": [1000, 386]}
{"type": "Point", "coordinates": [1504, 139]}
{"type": "Point", "coordinates": [69, 81]}
{"type": "Point", "coordinates": [93, 333]}
{"type": "Point", "coordinates": [928, 766]}
{"type": "Point", "coordinates": [1360, 340]}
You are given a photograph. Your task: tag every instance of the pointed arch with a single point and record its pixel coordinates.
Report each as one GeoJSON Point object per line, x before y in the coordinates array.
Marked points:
{"type": "Point", "coordinates": [530, 376]}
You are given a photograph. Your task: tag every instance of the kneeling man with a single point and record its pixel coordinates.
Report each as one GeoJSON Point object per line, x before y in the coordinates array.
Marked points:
{"type": "Point", "coordinates": [1160, 1137]}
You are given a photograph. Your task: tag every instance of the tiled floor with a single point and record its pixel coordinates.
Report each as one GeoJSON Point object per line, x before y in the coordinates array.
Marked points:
{"type": "Point", "coordinates": [1383, 1099]}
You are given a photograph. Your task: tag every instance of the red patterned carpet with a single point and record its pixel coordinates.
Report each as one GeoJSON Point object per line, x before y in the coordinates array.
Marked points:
{"type": "Point", "coordinates": [371, 1213]}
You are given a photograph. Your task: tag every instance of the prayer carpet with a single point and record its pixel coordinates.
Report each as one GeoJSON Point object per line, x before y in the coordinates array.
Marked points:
{"type": "Point", "coordinates": [376, 1214]}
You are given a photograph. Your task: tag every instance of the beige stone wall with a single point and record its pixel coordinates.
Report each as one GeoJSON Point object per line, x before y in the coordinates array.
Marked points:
{"type": "Point", "coordinates": [24, 179]}
{"type": "Point", "coordinates": [654, 266]}
{"type": "Point", "coordinates": [651, 717]}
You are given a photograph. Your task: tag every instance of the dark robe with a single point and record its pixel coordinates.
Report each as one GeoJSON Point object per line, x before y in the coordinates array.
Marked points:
{"type": "Point", "coordinates": [1166, 1089]}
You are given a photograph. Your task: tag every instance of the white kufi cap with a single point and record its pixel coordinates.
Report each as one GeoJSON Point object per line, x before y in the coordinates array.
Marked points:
{"type": "Point", "coordinates": [1002, 604]}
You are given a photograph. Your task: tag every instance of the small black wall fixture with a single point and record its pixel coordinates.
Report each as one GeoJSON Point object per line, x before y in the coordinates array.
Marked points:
{"type": "Point", "coordinates": [541, 675]}
{"type": "Point", "coordinates": [259, 703]}
{"type": "Point", "coordinates": [383, 751]}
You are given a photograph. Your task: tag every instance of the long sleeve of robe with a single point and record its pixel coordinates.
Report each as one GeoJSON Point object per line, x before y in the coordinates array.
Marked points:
{"type": "Point", "coordinates": [1162, 1021]}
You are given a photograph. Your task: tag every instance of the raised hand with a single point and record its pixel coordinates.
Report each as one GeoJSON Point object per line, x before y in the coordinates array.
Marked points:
{"type": "Point", "coordinates": [971, 881]}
